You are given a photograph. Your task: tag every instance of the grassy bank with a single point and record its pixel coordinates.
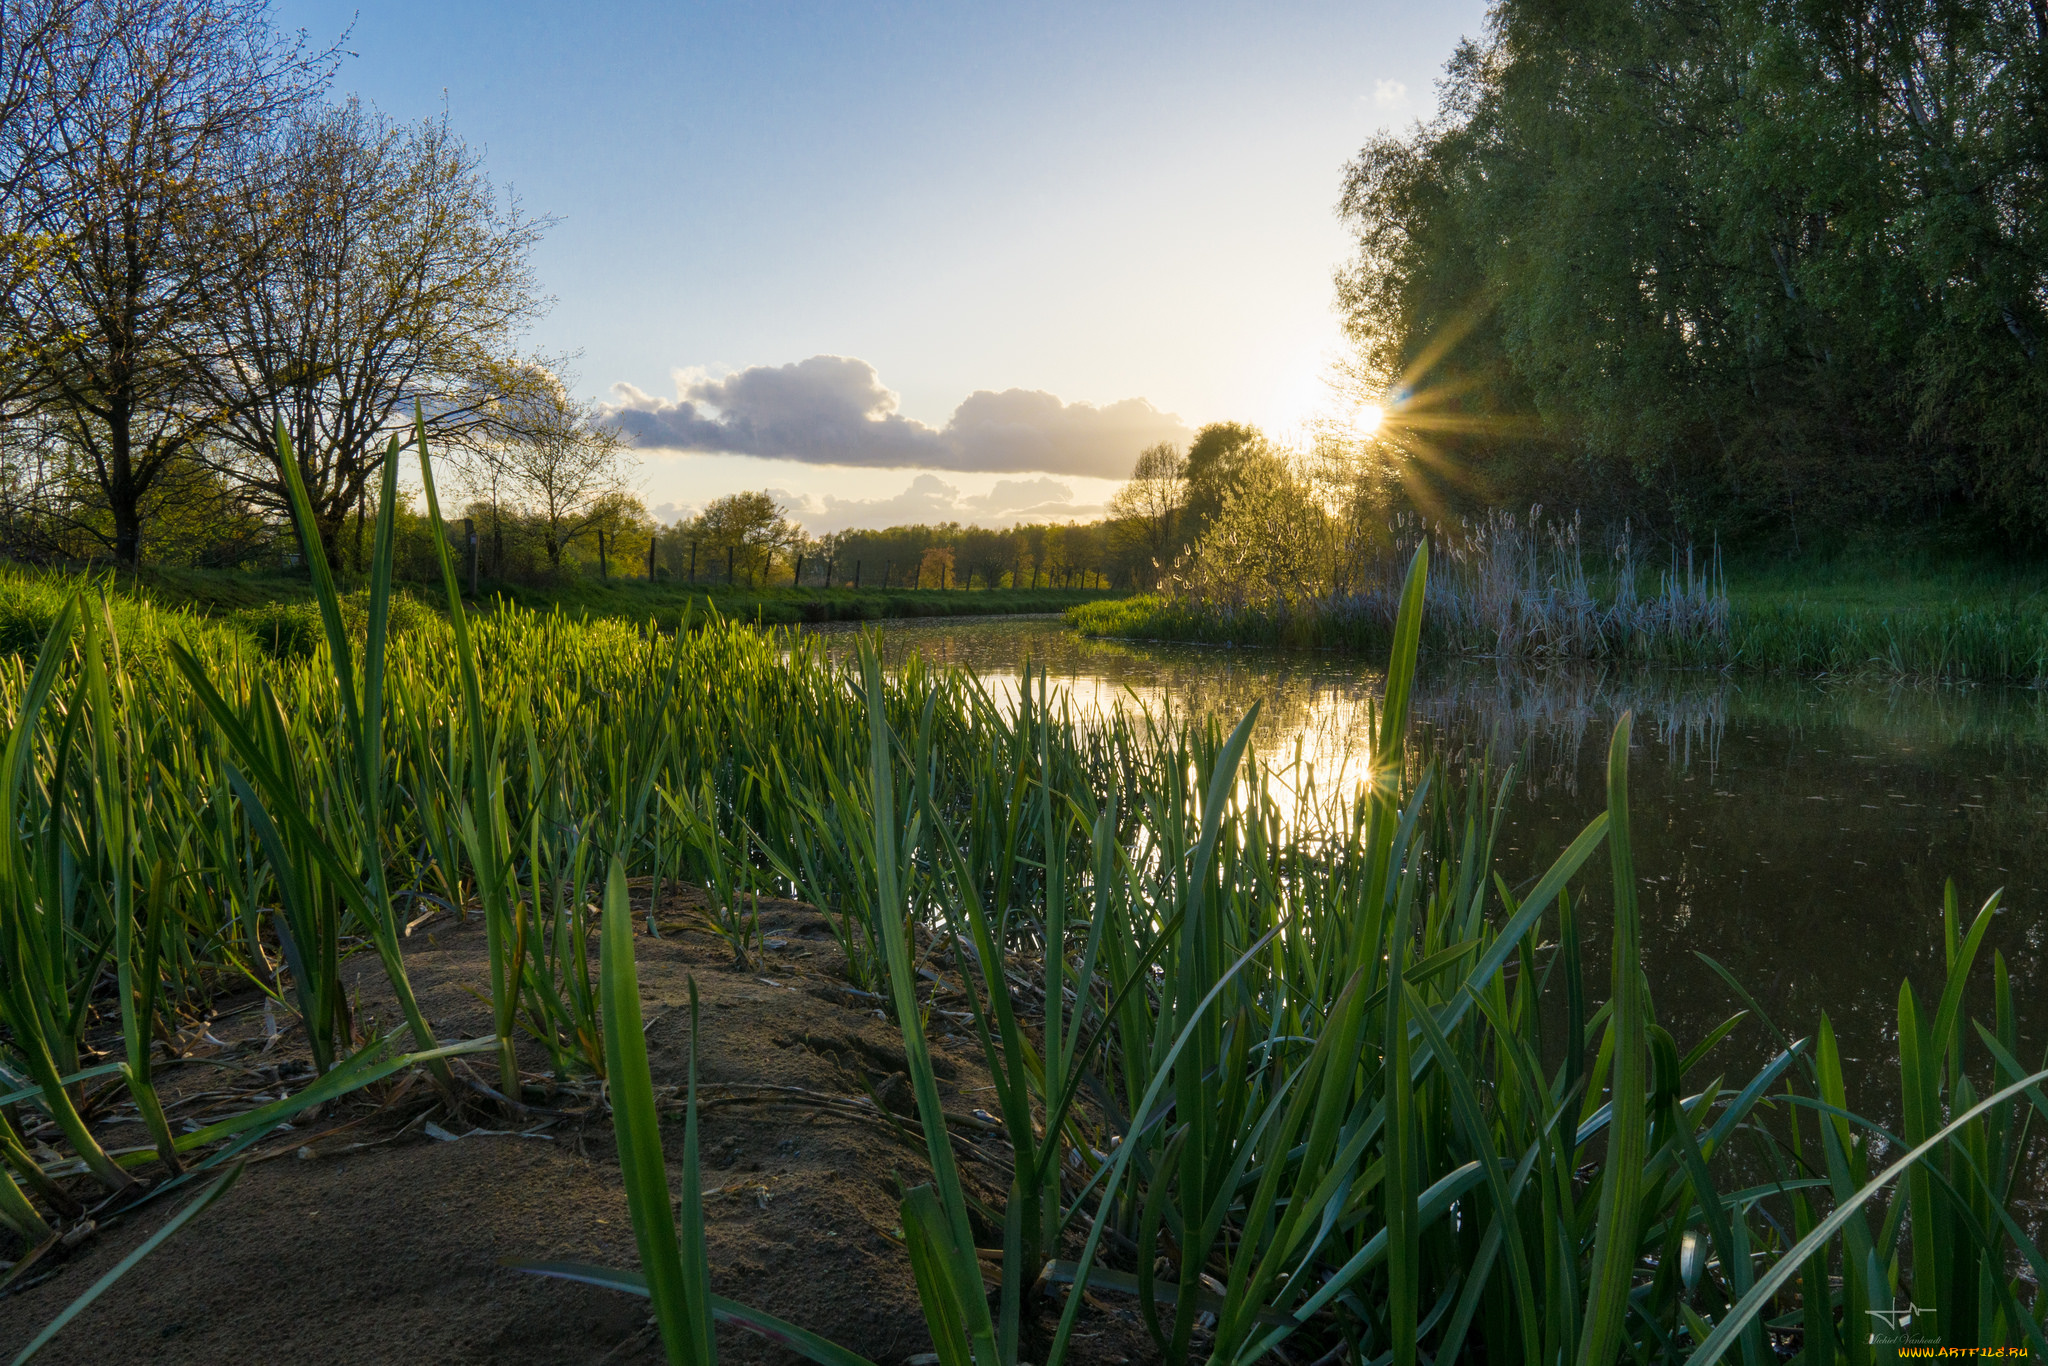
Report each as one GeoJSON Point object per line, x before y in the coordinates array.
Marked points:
{"type": "Point", "coordinates": [665, 603]}
{"type": "Point", "coordinates": [1314, 1079]}
{"type": "Point", "coordinates": [1850, 615]}
{"type": "Point", "coordinates": [277, 611]}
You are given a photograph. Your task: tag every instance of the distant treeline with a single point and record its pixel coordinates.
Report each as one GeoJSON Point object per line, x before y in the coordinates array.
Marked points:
{"type": "Point", "coordinates": [746, 539]}
{"type": "Point", "coordinates": [1729, 266]}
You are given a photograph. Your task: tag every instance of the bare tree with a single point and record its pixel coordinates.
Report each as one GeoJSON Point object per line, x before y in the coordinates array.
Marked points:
{"type": "Point", "coordinates": [1148, 507]}
{"type": "Point", "coordinates": [31, 33]}
{"type": "Point", "coordinates": [149, 106]}
{"type": "Point", "coordinates": [393, 274]}
{"type": "Point", "coordinates": [567, 469]}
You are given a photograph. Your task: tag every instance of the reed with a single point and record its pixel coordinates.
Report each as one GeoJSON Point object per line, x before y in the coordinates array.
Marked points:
{"type": "Point", "coordinates": [1528, 590]}
{"type": "Point", "coordinates": [1296, 1081]}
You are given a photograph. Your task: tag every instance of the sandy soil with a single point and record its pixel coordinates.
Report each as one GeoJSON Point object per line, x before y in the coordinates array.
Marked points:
{"type": "Point", "coordinates": [376, 1233]}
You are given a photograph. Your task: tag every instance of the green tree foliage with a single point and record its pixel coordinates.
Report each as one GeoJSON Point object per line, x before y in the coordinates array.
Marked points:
{"type": "Point", "coordinates": [191, 515]}
{"type": "Point", "coordinates": [512, 543]}
{"type": "Point", "coordinates": [1044, 555]}
{"type": "Point", "coordinates": [1729, 264]}
{"type": "Point", "coordinates": [195, 248]}
{"type": "Point", "coordinates": [124, 147]}
{"type": "Point", "coordinates": [1268, 543]}
{"type": "Point", "coordinates": [387, 271]}
{"type": "Point", "coordinates": [1219, 459]}
{"type": "Point", "coordinates": [746, 530]}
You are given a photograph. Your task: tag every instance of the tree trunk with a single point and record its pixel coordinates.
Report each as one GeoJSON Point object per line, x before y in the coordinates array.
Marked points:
{"type": "Point", "coordinates": [329, 525]}
{"type": "Point", "coordinates": [127, 533]}
{"type": "Point", "coordinates": [123, 497]}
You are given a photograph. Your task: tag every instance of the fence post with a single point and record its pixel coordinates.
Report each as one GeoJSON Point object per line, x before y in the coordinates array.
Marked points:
{"type": "Point", "coordinates": [856, 573]}
{"type": "Point", "coordinates": [650, 555]}
{"type": "Point", "coordinates": [693, 562]}
{"type": "Point", "coordinates": [469, 534]}
{"type": "Point", "coordinates": [796, 576]}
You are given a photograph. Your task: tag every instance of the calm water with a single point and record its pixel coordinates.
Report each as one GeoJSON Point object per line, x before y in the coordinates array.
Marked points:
{"type": "Point", "coordinates": [1799, 833]}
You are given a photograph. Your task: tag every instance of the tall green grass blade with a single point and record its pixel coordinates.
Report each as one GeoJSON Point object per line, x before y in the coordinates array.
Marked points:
{"type": "Point", "coordinates": [1470, 1115]}
{"type": "Point", "coordinates": [952, 1237]}
{"type": "Point", "coordinates": [1121, 1162]}
{"type": "Point", "coordinates": [17, 1211]}
{"type": "Point", "coordinates": [1403, 1163]}
{"type": "Point", "coordinates": [1615, 1236]}
{"type": "Point", "coordinates": [367, 1065]}
{"type": "Point", "coordinates": [1753, 1304]}
{"type": "Point", "coordinates": [935, 1263]}
{"type": "Point", "coordinates": [680, 1306]}
{"type": "Point", "coordinates": [28, 998]}
{"type": "Point", "coordinates": [482, 820]}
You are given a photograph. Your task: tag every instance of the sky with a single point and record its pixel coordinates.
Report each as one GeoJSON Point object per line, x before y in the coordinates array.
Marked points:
{"type": "Point", "coordinates": [904, 262]}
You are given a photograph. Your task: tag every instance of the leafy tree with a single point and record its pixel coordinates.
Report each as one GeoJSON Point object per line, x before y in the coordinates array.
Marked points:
{"type": "Point", "coordinates": [127, 150]}
{"type": "Point", "coordinates": [984, 554]}
{"type": "Point", "coordinates": [1728, 265]}
{"type": "Point", "coordinates": [935, 567]}
{"type": "Point", "coordinates": [747, 530]}
{"type": "Point", "coordinates": [1220, 458]}
{"type": "Point", "coordinates": [1267, 543]}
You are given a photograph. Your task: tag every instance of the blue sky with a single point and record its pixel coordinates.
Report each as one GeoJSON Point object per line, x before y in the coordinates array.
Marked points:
{"type": "Point", "coordinates": [1112, 204]}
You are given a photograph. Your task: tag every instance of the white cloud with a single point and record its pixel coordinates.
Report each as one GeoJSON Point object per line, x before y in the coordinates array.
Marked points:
{"type": "Point", "coordinates": [834, 410]}
{"type": "Point", "coordinates": [670, 513]}
{"type": "Point", "coordinates": [931, 499]}
{"type": "Point", "coordinates": [1389, 94]}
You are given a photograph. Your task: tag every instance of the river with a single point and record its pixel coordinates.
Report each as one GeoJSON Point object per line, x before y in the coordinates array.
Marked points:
{"type": "Point", "coordinates": [1799, 832]}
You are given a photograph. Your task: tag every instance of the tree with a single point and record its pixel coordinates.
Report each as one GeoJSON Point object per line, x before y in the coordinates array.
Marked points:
{"type": "Point", "coordinates": [1725, 265]}
{"type": "Point", "coordinates": [1266, 544]}
{"type": "Point", "coordinates": [148, 109]}
{"type": "Point", "coordinates": [32, 105]}
{"type": "Point", "coordinates": [1148, 507]}
{"type": "Point", "coordinates": [562, 465]}
{"type": "Point", "coordinates": [623, 530]}
{"type": "Point", "coordinates": [1219, 459]}
{"type": "Point", "coordinates": [391, 275]}
{"type": "Point", "coordinates": [746, 529]}
{"type": "Point", "coordinates": [935, 567]}
{"type": "Point", "coordinates": [984, 553]}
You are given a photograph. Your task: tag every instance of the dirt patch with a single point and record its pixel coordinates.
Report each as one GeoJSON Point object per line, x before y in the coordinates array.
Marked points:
{"type": "Point", "coordinates": [376, 1233]}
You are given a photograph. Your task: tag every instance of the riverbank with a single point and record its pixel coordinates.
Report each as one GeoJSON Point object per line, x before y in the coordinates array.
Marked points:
{"type": "Point", "coordinates": [277, 611]}
{"type": "Point", "coordinates": [799, 1161]}
{"type": "Point", "coordinates": [665, 603]}
{"type": "Point", "coordinates": [1979, 623]}
{"type": "Point", "coordinates": [963, 853]}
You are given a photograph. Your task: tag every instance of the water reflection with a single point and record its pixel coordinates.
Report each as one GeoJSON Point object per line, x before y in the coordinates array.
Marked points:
{"type": "Point", "coordinates": [1799, 833]}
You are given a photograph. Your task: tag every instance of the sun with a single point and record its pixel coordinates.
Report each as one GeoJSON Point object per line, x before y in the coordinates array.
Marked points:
{"type": "Point", "coordinates": [1368, 418]}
